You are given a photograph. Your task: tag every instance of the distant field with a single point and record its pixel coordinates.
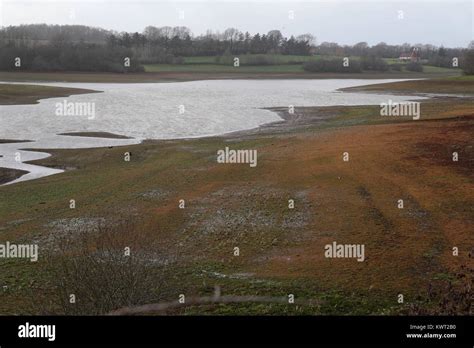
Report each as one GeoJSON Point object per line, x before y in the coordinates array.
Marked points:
{"type": "Point", "coordinates": [435, 69]}
{"type": "Point", "coordinates": [463, 78]}
{"type": "Point", "coordinates": [391, 60]}
{"type": "Point", "coordinates": [249, 64]}
{"type": "Point", "coordinates": [279, 68]}
{"type": "Point", "coordinates": [275, 58]}
{"type": "Point", "coordinates": [273, 63]}
{"type": "Point", "coordinates": [286, 68]}
{"type": "Point", "coordinates": [202, 68]}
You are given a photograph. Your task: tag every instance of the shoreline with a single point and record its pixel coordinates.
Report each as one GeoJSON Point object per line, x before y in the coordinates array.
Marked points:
{"type": "Point", "coordinates": [156, 77]}
{"type": "Point", "coordinates": [26, 94]}
{"type": "Point", "coordinates": [318, 117]}
{"type": "Point", "coordinates": [37, 92]}
{"type": "Point", "coordinates": [287, 125]}
{"type": "Point", "coordinates": [105, 135]}
{"type": "Point", "coordinates": [8, 175]}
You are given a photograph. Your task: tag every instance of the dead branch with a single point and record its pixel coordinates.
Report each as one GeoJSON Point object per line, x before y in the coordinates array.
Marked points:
{"type": "Point", "coordinates": [193, 301]}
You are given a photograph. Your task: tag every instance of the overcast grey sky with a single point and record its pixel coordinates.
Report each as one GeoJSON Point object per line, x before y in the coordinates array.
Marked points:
{"type": "Point", "coordinates": [441, 22]}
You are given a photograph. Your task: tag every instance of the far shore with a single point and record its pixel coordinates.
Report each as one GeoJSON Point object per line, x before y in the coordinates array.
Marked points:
{"type": "Point", "coordinates": [154, 77]}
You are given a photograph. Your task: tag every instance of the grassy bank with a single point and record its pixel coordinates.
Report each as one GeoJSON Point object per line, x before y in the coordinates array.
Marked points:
{"type": "Point", "coordinates": [30, 94]}
{"type": "Point", "coordinates": [7, 174]}
{"type": "Point", "coordinates": [193, 72]}
{"type": "Point", "coordinates": [452, 85]}
{"type": "Point", "coordinates": [228, 206]}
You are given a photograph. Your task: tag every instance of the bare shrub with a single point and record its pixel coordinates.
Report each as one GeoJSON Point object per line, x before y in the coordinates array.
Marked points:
{"type": "Point", "coordinates": [451, 297]}
{"type": "Point", "coordinates": [414, 66]}
{"type": "Point", "coordinates": [468, 62]}
{"type": "Point", "coordinates": [95, 268]}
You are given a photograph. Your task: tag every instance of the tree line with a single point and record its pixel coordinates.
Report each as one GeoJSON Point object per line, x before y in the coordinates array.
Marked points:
{"type": "Point", "coordinates": [55, 48]}
{"type": "Point", "coordinates": [75, 47]}
{"type": "Point", "coordinates": [160, 45]}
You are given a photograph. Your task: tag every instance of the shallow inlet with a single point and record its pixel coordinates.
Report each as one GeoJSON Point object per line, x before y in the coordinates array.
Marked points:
{"type": "Point", "coordinates": [163, 111]}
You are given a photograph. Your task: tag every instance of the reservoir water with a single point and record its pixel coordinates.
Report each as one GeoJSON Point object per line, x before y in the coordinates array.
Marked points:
{"type": "Point", "coordinates": [163, 111]}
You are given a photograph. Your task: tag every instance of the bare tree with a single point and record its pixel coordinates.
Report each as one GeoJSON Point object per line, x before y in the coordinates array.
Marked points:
{"type": "Point", "coordinates": [310, 38]}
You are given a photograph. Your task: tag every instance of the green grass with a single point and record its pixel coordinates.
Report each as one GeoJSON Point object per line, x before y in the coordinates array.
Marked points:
{"type": "Point", "coordinates": [200, 60]}
{"type": "Point", "coordinates": [280, 59]}
{"type": "Point", "coordinates": [325, 301]}
{"type": "Point", "coordinates": [280, 68]}
{"type": "Point", "coordinates": [462, 78]}
{"type": "Point", "coordinates": [392, 60]}
{"type": "Point", "coordinates": [213, 68]}
{"type": "Point", "coordinates": [276, 58]}
{"type": "Point", "coordinates": [426, 68]}
{"type": "Point", "coordinates": [28, 90]}
{"type": "Point", "coordinates": [436, 69]}
{"type": "Point", "coordinates": [277, 63]}
{"type": "Point", "coordinates": [446, 85]}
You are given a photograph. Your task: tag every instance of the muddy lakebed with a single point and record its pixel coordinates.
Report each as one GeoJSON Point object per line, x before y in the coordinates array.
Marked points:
{"type": "Point", "coordinates": [173, 110]}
